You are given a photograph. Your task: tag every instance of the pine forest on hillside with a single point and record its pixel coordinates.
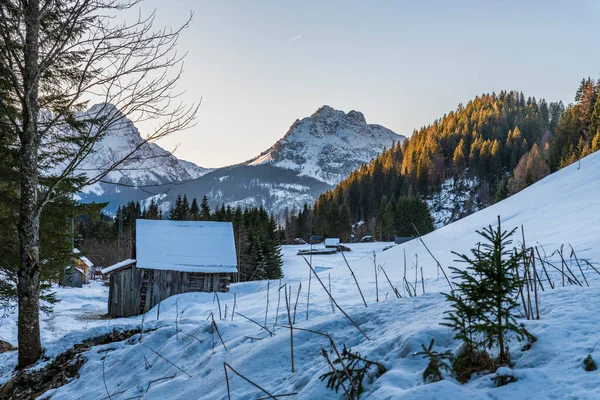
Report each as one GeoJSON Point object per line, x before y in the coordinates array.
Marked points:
{"type": "Point", "coordinates": [489, 149]}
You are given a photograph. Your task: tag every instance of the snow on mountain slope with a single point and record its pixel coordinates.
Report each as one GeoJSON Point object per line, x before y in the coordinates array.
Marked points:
{"type": "Point", "coordinates": [265, 185]}
{"type": "Point", "coordinates": [316, 153]}
{"type": "Point", "coordinates": [149, 165]}
{"type": "Point", "coordinates": [328, 145]}
{"type": "Point", "coordinates": [560, 209]}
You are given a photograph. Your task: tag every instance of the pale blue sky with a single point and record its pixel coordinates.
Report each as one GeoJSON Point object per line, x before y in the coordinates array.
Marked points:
{"type": "Point", "coordinates": [402, 64]}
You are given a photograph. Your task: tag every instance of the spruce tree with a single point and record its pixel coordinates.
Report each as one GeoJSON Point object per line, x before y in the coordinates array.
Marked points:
{"type": "Point", "coordinates": [176, 212]}
{"type": "Point", "coordinates": [194, 210]}
{"type": "Point", "coordinates": [484, 299]}
{"type": "Point", "coordinates": [204, 209]}
{"type": "Point", "coordinates": [185, 208]}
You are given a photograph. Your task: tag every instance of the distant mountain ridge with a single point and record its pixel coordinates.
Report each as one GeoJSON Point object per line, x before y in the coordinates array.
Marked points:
{"type": "Point", "coordinates": [150, 165]}
{"type": "Point", "coordinates": [316, 153]}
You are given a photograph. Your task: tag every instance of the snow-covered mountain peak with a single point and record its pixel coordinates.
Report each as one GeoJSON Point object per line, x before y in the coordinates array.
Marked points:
{"type": "Point", "coordinates": [149, 165]}
{"type": "Point", "coordinates": [328, 145]}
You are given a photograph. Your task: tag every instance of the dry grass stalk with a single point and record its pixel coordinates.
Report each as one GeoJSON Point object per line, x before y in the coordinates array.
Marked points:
{"type": "Point", "coordinates": [278, 302]}
{"type": "Point", "coordinates": [432, 256]}
{"type": "Point", "coordinates": [177, 319]}
{"type": "Point", "coordinates": [251, 320]}
{"type": "Point", "coordinates": [219, 304]}
{"type": "Point", "coordinates": [522, 295]}
{"type": "Point", "coordinates": [296, 303]}
{"type": "Point", "coordinates": [158, 380]}
{"type": "Point", "coordinates": [376, 282]}
{"type": "Point", "coordinates": [579, 265]}
{"type": "Point", "coordinates": [164, 358]}
{"type": "Point", "coordinates": [535, 280]}
{"type": "Point", "coordinates": [335, 302]}
{"type": "Point", "coordinates": [288, 306]}
{"type": "Point", "coordinates": [404, 277]}
{"type": "Point", "coordinates": [309, 281]}
{"type": "Point", "coordinates": [565, 265]}
{"type": "Point", "coordinates": [416, 270]}
{"type": "Point", "coordinates": [331, 302]}
{"type": "Point", "coordinates": [267, 307]}
{"type": "Point", "coordinates": [390, 282]}
{"type": "Point", "coordinates": [234, 304]}
{"type": "Point", "coordinates": [225, 366]}
{"type": "Point", "coordinates": [218, 334]}
{"type": "Point", "coordinates": [354, 277]}
{"type": "Point", "coordinates": [104, 378]}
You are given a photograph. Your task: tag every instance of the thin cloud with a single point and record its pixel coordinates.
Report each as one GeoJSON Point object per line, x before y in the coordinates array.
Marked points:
{"type": "Point", "coordinates": [296, 38]}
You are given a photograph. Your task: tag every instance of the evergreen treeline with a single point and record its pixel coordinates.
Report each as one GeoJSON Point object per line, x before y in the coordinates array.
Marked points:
{"type": "Point", "coordinates": [578, 132]}
{"type": "Point", "coordinates": [256, 234]}
{"type": "Point", "coordinates": [501, 143]}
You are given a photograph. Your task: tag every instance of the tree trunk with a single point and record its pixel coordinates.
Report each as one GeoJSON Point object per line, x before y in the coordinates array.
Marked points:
{"type": "Point", "coordinates": [28, 285]}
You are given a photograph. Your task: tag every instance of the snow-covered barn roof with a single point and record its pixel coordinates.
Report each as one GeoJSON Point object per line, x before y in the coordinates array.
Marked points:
{"type": "Point", "coordinates": [119, 265]}
{"type": "Point", "coordinates": [332, 241]}
{"type": "Point", "coordinates": [83, 258]}
{"type": "Point", "coordinates": [186, 246]}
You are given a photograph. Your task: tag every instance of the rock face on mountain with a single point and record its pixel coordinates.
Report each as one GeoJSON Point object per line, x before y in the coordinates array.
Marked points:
{"type": "Point", "coordinates": [150, 165]}
{"type": "Point", "coordinates": [315, 154]}
{"type": "Point", "coordinates": [328, 145]}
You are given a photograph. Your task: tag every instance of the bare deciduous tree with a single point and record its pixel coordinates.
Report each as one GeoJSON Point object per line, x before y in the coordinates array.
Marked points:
{"type": "Point", "coordinates": [59, 56]}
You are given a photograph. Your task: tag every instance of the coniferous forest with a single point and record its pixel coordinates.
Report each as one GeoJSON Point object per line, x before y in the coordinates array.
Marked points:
{"type": "Point", "coordinates": [490, 148]}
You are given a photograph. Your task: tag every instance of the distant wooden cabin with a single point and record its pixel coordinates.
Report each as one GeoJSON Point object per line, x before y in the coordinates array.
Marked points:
{"type": "Point", "coordinates": [78, 274]}
{"type": "Point", "coordinates": [402, 239]}
{"type": "Point", "coordinates": [332, 243]}
{"type": "Point", "coordinates": [173, 257]}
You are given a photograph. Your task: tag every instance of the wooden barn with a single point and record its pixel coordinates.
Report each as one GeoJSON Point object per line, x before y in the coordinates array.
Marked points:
{"type": "Point", "coordinates": [173, 257]}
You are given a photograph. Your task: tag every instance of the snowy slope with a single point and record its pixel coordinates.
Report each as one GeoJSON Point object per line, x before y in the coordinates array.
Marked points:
{"type": "Point", "coordinates": [149, 165]}
{"type": "Point", "coordinates": [328, 145]}
{"type": "Point", "coordinates": [561, 209]}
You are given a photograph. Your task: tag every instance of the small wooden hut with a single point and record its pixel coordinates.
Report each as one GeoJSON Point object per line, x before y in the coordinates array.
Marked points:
{"type": "Point", "coordinates": [173, 257]}
{"type": "Point", "coordinates": [332, 243]}
{"type": "Point", "coordinates": [402, 239]}
{"type": "Point", "coordinates": [79, 274]}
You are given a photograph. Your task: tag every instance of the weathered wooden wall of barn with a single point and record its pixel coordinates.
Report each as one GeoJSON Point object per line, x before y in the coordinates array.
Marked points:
{"type": "Point", "coordinates": [133, 291]}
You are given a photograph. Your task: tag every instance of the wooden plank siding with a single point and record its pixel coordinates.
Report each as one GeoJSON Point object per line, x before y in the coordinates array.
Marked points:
{"type": "Point", "coordinates": [134, 291]}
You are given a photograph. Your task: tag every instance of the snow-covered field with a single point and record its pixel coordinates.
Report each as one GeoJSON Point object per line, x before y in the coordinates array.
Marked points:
{"type": "Point", "coordinates": [561, 209]}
